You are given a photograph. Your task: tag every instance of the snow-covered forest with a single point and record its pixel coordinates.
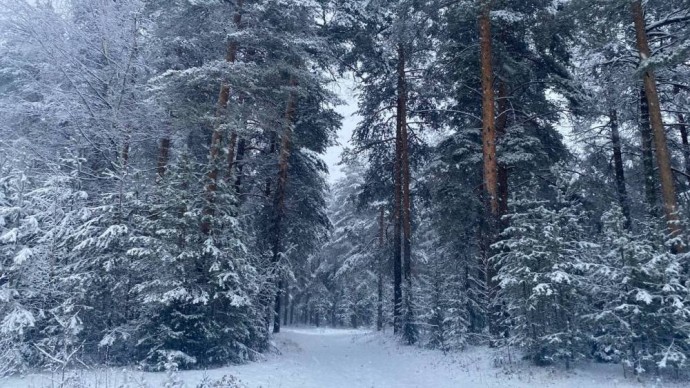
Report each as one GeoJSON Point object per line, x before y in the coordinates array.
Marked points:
{"type": "Point", "coordinates": [518, 187]}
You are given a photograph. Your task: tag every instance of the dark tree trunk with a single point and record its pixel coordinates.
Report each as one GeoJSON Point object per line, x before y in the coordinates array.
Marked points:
{"type": "Point", "coordinates": [501, 128]}
{"type": "Point", "coordinates": [490, 163]}
{"type": "Point", "coordinates": [488, 112]}
{"type": "Point", "coordinates": [232, 57]}
{"type": "Point", "coordinates": [163, 157]}
{"type": "Point", "coordinates": [410, 332]}
{"type": "Point", "coordinates": [663, 159]}
{"type": "Point", "coordinates": [647, 147]}
{"type": "Point", "coordinates": [683, 129]}
{"type": "Point", "coordinates": [279, 199]}
{"type": "Point", "coordinates": [397, 225]}
{"type": "Point", "coordinates": [292, 310]}
{"type": "Point", "coordinates": [271, 151]}
{"type": "Point", "coordinates": [379, 288]}
{"type": "Point", "coordinates": [286, 303]}
{"type": "Point", "coordinates": [217, 137]}
{"type": "Point", "coordinates": [618, 168]}
{"type": "Point", "coordinates": [241, 147]}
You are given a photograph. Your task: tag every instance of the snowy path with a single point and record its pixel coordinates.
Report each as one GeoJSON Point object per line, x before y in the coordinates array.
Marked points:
{"type": "Point", "coordinates": [332, 358]}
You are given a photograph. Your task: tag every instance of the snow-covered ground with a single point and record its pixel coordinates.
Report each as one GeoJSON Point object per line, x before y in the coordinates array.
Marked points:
{"type": "Point", "coordinates": [333, 358]}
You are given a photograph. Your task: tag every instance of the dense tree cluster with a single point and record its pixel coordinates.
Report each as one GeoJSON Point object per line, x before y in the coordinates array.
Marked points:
{"type": "Point", "coordinates": [546, 145]}
{"type": "Point", "coordinates": [160, 176]}
{"type": "Point", "coordinates": [519, 178]}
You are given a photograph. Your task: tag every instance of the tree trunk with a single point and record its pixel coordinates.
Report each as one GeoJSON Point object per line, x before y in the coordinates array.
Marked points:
{"type": "Point", "coordinates": [647, 147]}
{"type": "Point", "coordinates": [217, 136]}
{"type": "Point", "coordinates": [271, 151]}
{"type": "Point", "coordinates": [292, 310]}
{"type": "Point", "coordinates": [397, 225]}
{"type": "Point", "coordinates": [379, 301]}
{"type": "Point", "coordinates": [488, 112]}
{"type": "Point", "coordinates": [232, 57]}
{"type": "Point", "coordinates": [501, 127]}
{"type": "Point", "coordinates": [490, 172]}
{"type": "Point", "coordinates": [682, 127]}
{"type": "Point", "coordinates": [163, 156]}
{"type": "Point", "coordinates": [279, 199]}
{"type": "Point", "coordinates": [410, 330]}
{"type": "Point", "coordinates": [668, 191]}
{"type": "Point", "coordinates": [241, 147]}
{"type": "Point", "coordinates": [231, 155]}
{"type": "Point", "coordinates": [286, 303]}
{"type": "Point", "coordinates": [618, 168]}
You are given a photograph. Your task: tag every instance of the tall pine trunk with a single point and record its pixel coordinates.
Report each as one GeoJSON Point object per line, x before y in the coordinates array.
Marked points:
{"type": "Point", "coordinates": [217, 138]}
{"type": "Point", "coordinates": [668, 191]}
{"type": "Point", "coordinates": [488, 112]}
{"type": "Point", "coordinates": [490, 162]}
{"type": "Point", "coordinates": [279, 199]}
{"type": "Point", "coordinates": [410, 331]}
{"type": "Point", "coordinates": [501, 129]}
{"type": "Point", "coordinates": [397, 230]}
{"type": "Point", "coordinates": [683, 129]}
{"type": "Point", "coordinates": [232, 57]}
{"type": "Point", "coordinates": [379, 300]}
{"type": "Point", "coordinates": [618, 168]}
{"type": "Point", "coordinates": [647, 147]}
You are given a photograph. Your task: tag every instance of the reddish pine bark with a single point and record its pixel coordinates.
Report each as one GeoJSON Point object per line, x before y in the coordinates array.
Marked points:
{"type": "Point", "coordinates": [279, 199]}
{"type": "Point", "coordinates": [217, 136]}
{"type": "Point", "coordinates": [668, 191]}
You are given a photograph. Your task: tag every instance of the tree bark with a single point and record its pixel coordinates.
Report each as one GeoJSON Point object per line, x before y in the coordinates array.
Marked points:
{"type": "Point", "coordinates": [501, 128]}
{"type": "Point", "coordinates": [488, 112]}
{"type": "Point", "coordinates": [490, 172]}
{"type": "Point", "coordinates": [241, 147]}
{"type": "Point", "coordinates": [618, 168]}
{"type": "Point", "coordinates": [279, 199]}
{"type": "Point", "coordinates": [217, 137]}
{"type": "Point", "coordinates": [163, 157]}
{"type": "Point", "coordinates": [286, 303]}
{"type": "Point", "coordinates": [410, 330]}
{"type": "Point", "coordinates": [379, 301]}
{"type": "Point", "coordinates": [682, 127]}
{"type": "Point", "coordinates": [271, 151]}
{"type": "Point", "coordinates": [397, 230]}
{"type": "Point", "coordinates": [668, 191]}
{"type": "Point", "coordinates": [647, 147]}
{"type": "Point", "coordinates": [232, 57]}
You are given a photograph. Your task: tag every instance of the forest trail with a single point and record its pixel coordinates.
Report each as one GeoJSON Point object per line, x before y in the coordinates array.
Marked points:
{"type": "Point", "coordinates": [342, 358]}
{"type": "Point", "coordinates": [335, 358]}
{"type": "Point", "coordinates": [347, 358]}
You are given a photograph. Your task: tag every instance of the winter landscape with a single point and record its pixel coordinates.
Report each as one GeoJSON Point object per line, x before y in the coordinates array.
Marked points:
{"type": "Point", "coordinates": [344, 193]}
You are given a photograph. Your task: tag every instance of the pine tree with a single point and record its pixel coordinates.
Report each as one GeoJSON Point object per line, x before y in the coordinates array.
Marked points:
{"type": "Point", "coordinates": [641, 318]}
{"type": "Point", "coordinates": [200, 301]}
{"type": "Point", "coordinates": [542, 263]}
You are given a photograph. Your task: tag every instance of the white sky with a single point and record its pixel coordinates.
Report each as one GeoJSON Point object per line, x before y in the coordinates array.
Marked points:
{"type": "Point", "coordinates": [344, 89]}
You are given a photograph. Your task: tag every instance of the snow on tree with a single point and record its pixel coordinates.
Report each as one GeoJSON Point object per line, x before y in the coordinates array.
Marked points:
{"type": "Point", "coordinates": [543, 261]}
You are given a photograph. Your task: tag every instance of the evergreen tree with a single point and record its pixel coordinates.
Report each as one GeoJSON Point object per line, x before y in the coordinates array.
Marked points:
{"type": "Point", "coordinates": [543, 262]}
{"type": "Point", "coordinates": [641, 318]}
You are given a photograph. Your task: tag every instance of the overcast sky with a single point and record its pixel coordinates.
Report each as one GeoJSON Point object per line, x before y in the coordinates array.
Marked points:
{"type": "Point", "coordinates": [344, 88]}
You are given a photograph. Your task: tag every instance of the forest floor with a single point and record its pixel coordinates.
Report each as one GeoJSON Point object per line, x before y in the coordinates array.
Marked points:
{"type": "Point", "coordinates": [340, 358]}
